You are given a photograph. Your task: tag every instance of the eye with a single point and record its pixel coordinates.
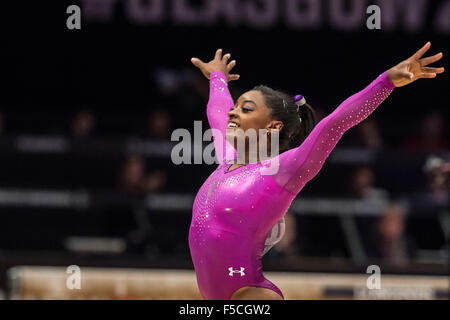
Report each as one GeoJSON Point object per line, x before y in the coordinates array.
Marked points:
{"type": "Point", "coordinates": [247, 109]}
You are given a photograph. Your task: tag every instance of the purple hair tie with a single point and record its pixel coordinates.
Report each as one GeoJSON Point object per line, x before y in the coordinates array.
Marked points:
{"type": "Point", "coordinates": [299, 100]}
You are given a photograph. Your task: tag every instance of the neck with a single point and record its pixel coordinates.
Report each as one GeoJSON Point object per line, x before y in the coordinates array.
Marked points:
{"type": "Point", "coordinates": [251, 157]}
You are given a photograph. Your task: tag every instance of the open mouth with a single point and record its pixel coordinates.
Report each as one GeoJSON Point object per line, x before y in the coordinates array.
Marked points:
{"type": "Point", "coordinates": [232, 125]}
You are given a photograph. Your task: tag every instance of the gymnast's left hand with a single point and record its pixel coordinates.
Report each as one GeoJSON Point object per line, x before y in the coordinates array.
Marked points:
{"type": "Point", "coordinates": [414, 68]}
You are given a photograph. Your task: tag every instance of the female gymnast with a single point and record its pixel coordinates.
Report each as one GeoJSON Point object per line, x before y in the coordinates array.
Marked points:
{"type": "Point", "coordinates": [237, 206]}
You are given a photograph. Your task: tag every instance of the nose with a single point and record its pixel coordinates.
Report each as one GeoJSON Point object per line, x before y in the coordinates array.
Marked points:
{"type": "Point", "coordinates": [232, 113]}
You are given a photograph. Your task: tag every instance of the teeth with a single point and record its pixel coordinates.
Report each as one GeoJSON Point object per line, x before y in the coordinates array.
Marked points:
{"type": "Point", "coordinates": [232, 125]}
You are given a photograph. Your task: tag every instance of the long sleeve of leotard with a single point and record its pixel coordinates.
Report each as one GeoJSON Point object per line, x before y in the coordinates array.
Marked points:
{"type": "Point", "coordinates": [219, 104]}
{"type": "Point", "coordinates": [299, 165]}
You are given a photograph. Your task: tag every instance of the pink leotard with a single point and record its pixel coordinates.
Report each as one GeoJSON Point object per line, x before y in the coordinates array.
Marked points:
{"type": "Point", "coordinates": [234, 210]}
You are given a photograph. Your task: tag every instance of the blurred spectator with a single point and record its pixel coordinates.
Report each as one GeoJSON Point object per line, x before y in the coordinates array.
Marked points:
{"type": "Point", "coordinates": [434, 194]}
{"type": "Point", "coordinates": [368, 135]}
{"type": "Point", "coordinates": [437, 191]}
{"type": "Point", "coordinates": [155, 181]}
{"type": "Point", "coordinates": [83, 124]}
{"type": "Point", "coordinates": [363, 186]}
{"type": "Point", "coordinates": [159, 123]}
{"type": "Point", "coordinates": [134, 185]}
{"type": "Point", "coordinates": [430, 137]}
{"type": "Point", "coordinates": [436, 179]}
{"type": "Point", "coordinates": [133, 180]}
{"type": "Point", "coordinates": [168, 80]}
{"type": "Point", "coordinates": [193, 97]}
{"type": "Point", "coordinates": [390, 243]}
{"type": "Point", "coordinates": [131, 175]}
{"type": "Point", "coordinates": [445, 169]}
{"type": "Point", "coordinates": [199, 85]}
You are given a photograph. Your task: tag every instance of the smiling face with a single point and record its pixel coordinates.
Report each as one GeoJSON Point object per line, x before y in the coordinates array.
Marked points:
{"type": "Point", "coordinates": [250, 113]}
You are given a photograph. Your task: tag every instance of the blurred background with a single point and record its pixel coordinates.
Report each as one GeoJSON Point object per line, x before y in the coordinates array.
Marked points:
{"type": "Point", "coordinates": [86, 118]}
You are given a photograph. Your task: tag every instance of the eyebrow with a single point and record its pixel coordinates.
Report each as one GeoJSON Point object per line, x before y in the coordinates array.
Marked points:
{"type": "Point", "coordinates": [250, 101]}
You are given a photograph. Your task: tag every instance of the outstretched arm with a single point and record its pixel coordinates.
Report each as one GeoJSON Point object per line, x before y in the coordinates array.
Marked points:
{"type": "Point", "coordinates": [220, 100]}
{"type": "Point", "coordinates": [299, 165]}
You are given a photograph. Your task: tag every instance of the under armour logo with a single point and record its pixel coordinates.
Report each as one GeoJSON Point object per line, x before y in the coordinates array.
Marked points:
{"type": "Point", "coordinates": [236, 271]}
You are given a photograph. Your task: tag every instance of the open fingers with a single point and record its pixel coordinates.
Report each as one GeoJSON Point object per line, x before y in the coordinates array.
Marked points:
{"type": "Point", "coordinates": [433, 70]}
{"type": "Point", "coordinates": [231, 65]}
{"type": "Point", "coordinates": [226, 57]}
{"type": "Point", "coordinates": [422, 51]}
{"type": "Point", "coordinates": [427, 75]}
{"type": "Point", "coordinates": [428, 60]}
{"type": "Point", "coordinates": [234, 77]}
{"type": "Point", "coordinates": [218, 55]}
{"type": "Point", "coordinates": [197, 62]}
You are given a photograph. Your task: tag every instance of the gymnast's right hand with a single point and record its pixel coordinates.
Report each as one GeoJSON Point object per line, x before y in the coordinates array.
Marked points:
{"type": "Point", "coordinates": [219, 63]}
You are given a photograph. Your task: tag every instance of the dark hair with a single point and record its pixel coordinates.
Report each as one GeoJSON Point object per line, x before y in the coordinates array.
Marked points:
{"type": "Point", "coordinates": [284, 108]}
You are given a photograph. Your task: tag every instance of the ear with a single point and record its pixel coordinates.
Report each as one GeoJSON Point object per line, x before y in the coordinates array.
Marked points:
{"type": "Point", "coordinates": [274, 125]}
